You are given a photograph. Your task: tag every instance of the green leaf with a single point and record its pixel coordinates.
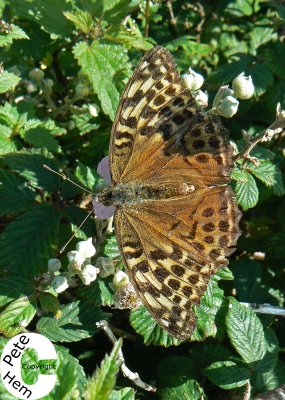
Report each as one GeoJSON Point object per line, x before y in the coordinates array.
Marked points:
{"type": "Point", "coordinates": [75, 323]}
{"type": "Point", "coordinates": [82, 19]}
{"type": "Point", "coordinates": [262, 78]}
{"type": "Point", "coordinates": [8, 81]}
{"type": "Point", "coordinates": [15, 194]}
{"type": "Point", "coordinates": [7, 143]}
{"type": "Point", "coordinates": [102, 383]}
{"type": "Point", "coordinates": [71, 378]}
{"type": "Point", "coordinates": [14, 33]}
{"type": "Point", "coordinates": [206, 312]}
{"type": "Point", "coordinates": [17, 316]}
{"type": "Point", "coordinates": [247, 277]}
{"type": "Point", "coordinates": [269, 174]}
{"type": "Point", "coordinates": [26, 243]}
{"type": "Point", "coordinates": [130, 37]}
{"type": "Point", "coordinates": [30, 166]}
{"type": "Point", "coordinates": [101, 63]}
{"type": "Point", "coordinates": [268, 362]}
{"type": "Point", "coordinates": [246, 191]}
{"type": "Point", "coordinates": [13, 287]}
{"type": "Point", "coordinates": [245, 332]}
{"type": "Point", "coordinates": [123, 394]}
{"type": "Point", "coordinates": [50, 303]}
{"type": "Point", "coordinates": [152, 333]}
{"type": "Point", "coordinates": [225, 274]}
{"type": "Point", "coordinates": [87, 176]}
{"type": "Point", "coordinates": [98, 293]}
{"type": "Point", "coordinates": [41, 137]}
{"type": "Point", "coordinates": [227, 72]}
{"type": "Point", "coordinates": [110, 247]}
{"type": "Point", "coordinates": [116, 10]}
{"type": "Point", "coordinates": [272, 379]}
{"type": "Point", "coordinates": [48, 15]}
{"type": "Point", "coordinates": [177, 379]}
{"type": "Point", "coordinates": [227, 375]}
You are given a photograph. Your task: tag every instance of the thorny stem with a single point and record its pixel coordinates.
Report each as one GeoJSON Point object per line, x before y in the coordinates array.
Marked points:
{"type": "Point", "coordinates": [277, 127]}
{"type": "Point", "coordinates": [133, 376]}
{"type": "Point", "coordinates": [147, 13]}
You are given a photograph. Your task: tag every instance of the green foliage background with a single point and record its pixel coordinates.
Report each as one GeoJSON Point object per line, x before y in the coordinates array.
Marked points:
{"type": "Point", "coordinates": [87, 50]}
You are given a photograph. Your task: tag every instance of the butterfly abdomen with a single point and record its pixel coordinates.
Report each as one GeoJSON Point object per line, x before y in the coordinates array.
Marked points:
{"type": "Point", "coordinates": [135, 193]}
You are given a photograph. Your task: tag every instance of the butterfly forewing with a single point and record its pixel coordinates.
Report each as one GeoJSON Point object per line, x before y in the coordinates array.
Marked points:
{"type": "Point", "coordinates": [175, 239]}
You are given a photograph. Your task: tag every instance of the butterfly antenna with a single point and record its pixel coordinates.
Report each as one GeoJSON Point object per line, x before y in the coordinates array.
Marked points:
{"type": "Point", "coordinates": [77, 229]}
{"type": "Point", "coordinates": [65, 178]}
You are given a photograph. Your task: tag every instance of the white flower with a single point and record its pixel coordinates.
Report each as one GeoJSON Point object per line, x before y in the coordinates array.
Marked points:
{"type": "Point", "coordinates": [192, 80]}
{"type": "Point", "coordinates": [223, 92]}
{"type": "Point", "coordinates": [120, 279]}
{"type": "Point", "coordinates": [59, 284]}
{"type": "Point", "coordinates": [243, 87]}
{"type": "Point", "coordinates": [76, 259]}
{"type": "Point", "coordinates": [227, 107]}
{"type": "Point", "coordinates": [86, 248]}
{"type": "Point", "coordinates": [89, 274]}
{"type": "Point", "coordinates": [201, 98]}
{"type": "Point", "coordinates": [105, 265]}
{"type": "Point", "coordinates": [36, 74]}
{"type": "Point", "coordinates": [93, 110]}
{"type": "Point", "coordinates": [54, 265]}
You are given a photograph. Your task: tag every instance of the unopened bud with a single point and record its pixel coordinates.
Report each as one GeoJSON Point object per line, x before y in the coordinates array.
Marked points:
{"type": "Point", "coordinates": [227, 107]}
{"type": "Point", "coordinates": [120, 279]}
{"type": "Point", "coordinates": [36, 74]}
{"type": "Point", "coordinates": [54, 265]}
{"type": "Point", "coordinates": [86, 248]}
{"type": "Point", "coordinates": [93, 110]}
{"type": "Point", "coordinates": [105, 265]}
{"type": "Point", "coordinates": [192, 80]}
{"type": "Point", "coordinates": [59, 284]}
{"type": "Point", "coordinates": [243, 87]}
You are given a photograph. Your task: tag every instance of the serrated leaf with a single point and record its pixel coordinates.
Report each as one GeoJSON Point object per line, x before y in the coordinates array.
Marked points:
{"type": "Point", "coordinates": [41, 137]}
{"type": "Point", "coordinates": [15, 194]}
{"type": "Point", "coordinates": [16, 316]}
{"type": "Point", "coordinates": [227, 375]}
{"type": "Point", "coordinates": [116, 10]}
{"type": "Point", "coordinates": [15, 32]}
{"type": "Point", "coordinates": [81, 19]}
{"type": "Point", "coordinates": [26, 243]}
{"type": "Point", "coordinates": [272, 379]}
{"type": "Point", "coordinates": [8, 81]}
{"type": "Point", "coordinates": [227, 72]}
{"type": "Point", "coordinates": [268, 362]}
{"type": "Point", "coordinates": [104, 64]}
{"type": "Point", "coordinates": [269, 174]}
{"type": "Point", "coordinates": [152, 333]}
{"type": "Point", "coordinates": [98, 293]}
{"type": "Point", "coordinates": [30, 166]}
{"type": "Point", "coordinates": [262, 78]}
{"type": "Point", "coordinates": [74, 324]}
{"type": "Point", "coordinates": [87, 176]}
{"type": "Point", "coordinates": [70, 376]}
{"type": "Point", "coordinates": [247, 277]}
{"type": "Point", "coordinates": [239, 175]}
{"type": "Point", "coordinates": [245, 332]}
{"type": "Point", "coordinates": [13, 287]}
{"type": "Point", "coordinates": [102, 383]}
{"type": "Point", "coordinates": [177, 379]}
{"type": "Point", "coordinates": [48, 15]}
{"type": "Point", "coordinates": [225, 274]}
{"type": "Point", "coordinates": [246, 192]}
{"type": "Point", "coordinates": [123, 394]}
{"type": "Point", "coordinates": [110, 247]}
{"type": "Point", "coordinates": [50, 303]}
{"type": "Point", "coordinates": [130, 37]}
{"type": "Point", "coordinates": [7, 143]}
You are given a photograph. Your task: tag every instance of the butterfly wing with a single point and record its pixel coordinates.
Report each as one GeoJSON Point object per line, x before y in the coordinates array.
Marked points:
{"type": "Point", "coordinates": [172, 247]}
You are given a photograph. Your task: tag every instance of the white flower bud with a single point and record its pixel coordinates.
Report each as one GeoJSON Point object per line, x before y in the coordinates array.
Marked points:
{"type": "Point", "coordinates": [192, 80]}
{"type": "Point", "coordinates": [36, 74]}
{"type": "Point", "coordinates": [59, 284]}
{"type": "Point", "coordinates": [76, 259]}
{"type": "Point", "coordinates": [54, 265]}
{"type": "Point", "coordinates": [89, 274]}
{"type": "Point", "coordinates": [223, 92]}
{"type": "Point", "coordinates": [227, 107]}
{"type": "Point", "coordinates": [201, 98]}
{"type": "Point", "coordinates": [105, 265]}
{"type": "Point", "coordinates": [86, 248]}
{"type": "Point", "coordinates": [92, 110]}
{"type": "Point", "coordinates": [120, 279]}
{"type": "Point", "coordinates": [243, 87]}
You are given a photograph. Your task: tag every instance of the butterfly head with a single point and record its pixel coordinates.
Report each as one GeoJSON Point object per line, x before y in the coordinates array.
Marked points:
{"type": "Point", "coordinates": [106, 196]}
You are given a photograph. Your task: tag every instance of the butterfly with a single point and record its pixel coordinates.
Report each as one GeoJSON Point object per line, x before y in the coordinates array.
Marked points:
{"type": "Point", "coordinates": [176, 218]}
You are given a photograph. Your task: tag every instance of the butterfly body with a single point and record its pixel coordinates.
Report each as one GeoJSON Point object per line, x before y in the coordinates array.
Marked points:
{"type": "Point", "coordinates": [176, 218]}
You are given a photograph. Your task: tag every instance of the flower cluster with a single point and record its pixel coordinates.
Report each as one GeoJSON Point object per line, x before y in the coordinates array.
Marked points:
{"type": "Point", "coordinates": [225, 102]}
